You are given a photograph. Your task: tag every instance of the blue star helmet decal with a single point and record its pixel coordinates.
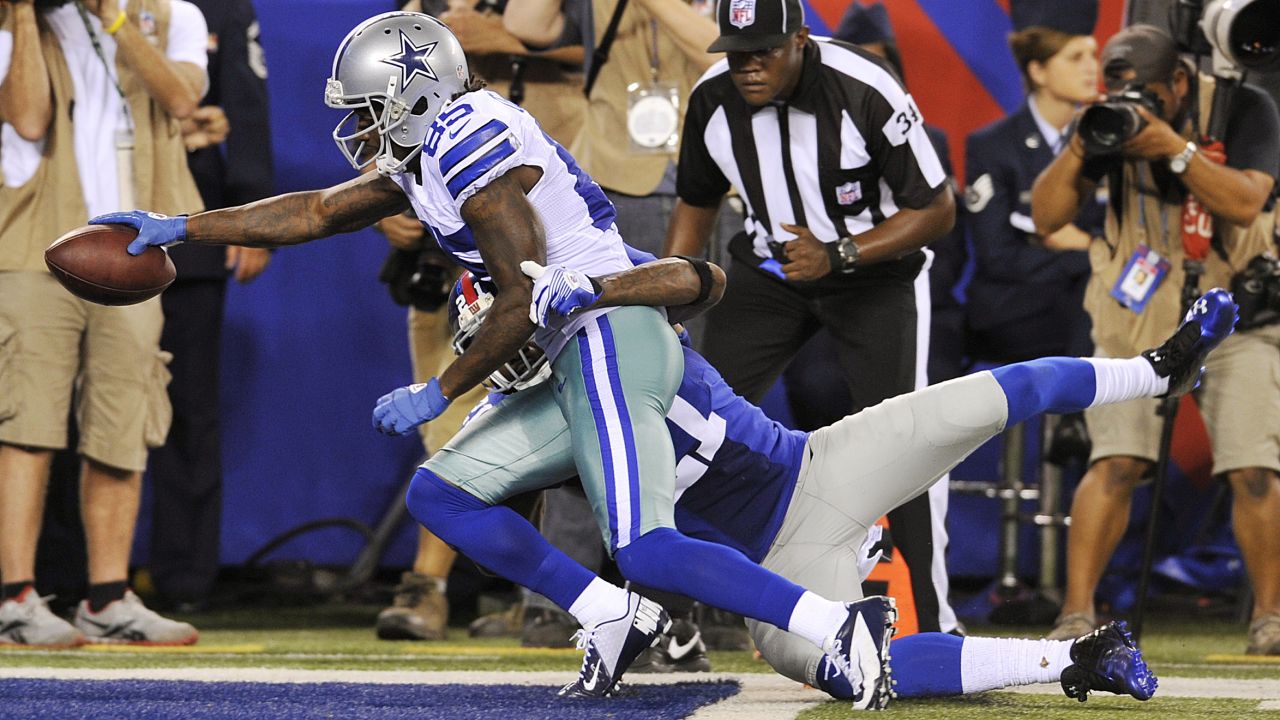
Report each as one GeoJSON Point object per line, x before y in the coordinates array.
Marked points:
{"type": "Point", "coordinates": [412, 61]}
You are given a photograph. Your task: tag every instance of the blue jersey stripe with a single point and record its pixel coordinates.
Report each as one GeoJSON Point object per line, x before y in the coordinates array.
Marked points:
{"type": "Point", "coordinates": [602, 432]}
{"type": "Point", "coordinates": [457, 243]}
{"type": "Point", "coordinates": [624, 416]}
{"type": "Point", "coordinates": [477, 169]}
{"type": "Point", "coordinates": [598, 205]}
{"type": "Point", "coordinates": [470, 144]}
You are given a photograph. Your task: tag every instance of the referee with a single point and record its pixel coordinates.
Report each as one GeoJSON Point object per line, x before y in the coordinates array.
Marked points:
{"type": "Point", "coordinates": [843, 190]}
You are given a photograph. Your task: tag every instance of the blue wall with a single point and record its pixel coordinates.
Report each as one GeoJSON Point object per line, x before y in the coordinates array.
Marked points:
{"type": "Point", "coordinates": [316, 340]}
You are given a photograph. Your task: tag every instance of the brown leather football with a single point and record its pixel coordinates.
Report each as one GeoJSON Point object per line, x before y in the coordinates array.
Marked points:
{"type": "Point", "coordinates": [92, 263]}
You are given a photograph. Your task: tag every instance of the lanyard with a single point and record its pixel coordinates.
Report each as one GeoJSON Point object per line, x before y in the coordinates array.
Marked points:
{"type": "Point", "coordinates": [653, 57]}
{"type": "Point", "coordinates": [97, 48]}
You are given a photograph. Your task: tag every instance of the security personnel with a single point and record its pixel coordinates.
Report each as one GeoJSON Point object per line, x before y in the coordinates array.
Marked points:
{"type": "Point", "coordinates": [187, 472]}
{"type": "Point", "coordinates": [1026, 296]}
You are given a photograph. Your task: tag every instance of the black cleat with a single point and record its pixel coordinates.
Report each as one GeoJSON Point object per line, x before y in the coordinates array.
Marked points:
{"type": "Point", "coordinates": [1107, 659]}
{"type": "Point", "coordinates": [1181, 358]}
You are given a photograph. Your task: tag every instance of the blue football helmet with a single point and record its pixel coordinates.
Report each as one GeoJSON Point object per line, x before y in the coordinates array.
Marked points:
{"type": "Point", "coordinates": [469, 304]}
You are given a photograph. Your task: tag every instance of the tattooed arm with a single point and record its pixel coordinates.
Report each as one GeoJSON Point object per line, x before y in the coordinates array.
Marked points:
{"type": "Point", "coordinates": [507, 230]}
{"type": "Point", "coordinates": [670, 282]}
{"type": "Point", "coordinates": [300, 217]}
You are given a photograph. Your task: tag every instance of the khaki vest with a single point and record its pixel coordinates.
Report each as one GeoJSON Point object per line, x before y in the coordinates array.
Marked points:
{"type": "Point", "coordinates": [1117, 331]}
{"type": "Point", "coordinates": [603, 147]}
{"type": "Point", "coordinates": [51, 202]}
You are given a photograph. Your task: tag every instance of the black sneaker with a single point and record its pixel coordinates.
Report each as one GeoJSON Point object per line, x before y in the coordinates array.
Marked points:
{"type": "Point", "coordinates": [1181, 358]}
{"type": "Point", "coordinates": [1108, 659]}
{"type": "Point", "coordinates": [613, 645]}
{"type": "Point", "coordinates": [680, 649]}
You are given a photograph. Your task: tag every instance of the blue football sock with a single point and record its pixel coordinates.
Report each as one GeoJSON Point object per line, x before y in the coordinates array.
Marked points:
{"type": "Point", "coordinates": [497, 538]}
{"type": "Point", "coordinates": [1055, 385]}
{"type": "Point", "coordinates": [714, 574]}
{"type": "Point", "coordinates": [927, 665]}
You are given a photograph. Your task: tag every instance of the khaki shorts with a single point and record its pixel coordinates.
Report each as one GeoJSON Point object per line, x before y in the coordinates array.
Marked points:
{"type": "Point", "coordinates": [54, 346]}
{"type": "Point", "coordinates": [431, 348]}
{"type": "Point", "coordinates": [1239, 400]}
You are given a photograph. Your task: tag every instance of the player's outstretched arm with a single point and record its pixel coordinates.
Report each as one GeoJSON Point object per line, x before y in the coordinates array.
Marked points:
{"type": "Point", "coordinates": [685, 286]}
{"type": "Point", "coordinates": [281, 220]}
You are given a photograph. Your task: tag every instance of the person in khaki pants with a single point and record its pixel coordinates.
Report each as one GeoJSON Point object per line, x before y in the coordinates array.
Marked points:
{"type": "Point", "coordinates": [90, 98]}
{"type": "Point", "coordinates": [420, 610]}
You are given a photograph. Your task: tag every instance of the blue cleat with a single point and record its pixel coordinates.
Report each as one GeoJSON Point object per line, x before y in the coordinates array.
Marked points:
{"type": "Point", "coordinates": [613, 645]}
{"type": "Point", "coordinates": [1107, 659]}
{"type": "Point", "coordinates": [1181, 358]}
{"type": "Point", "coordinates": [860, 651]}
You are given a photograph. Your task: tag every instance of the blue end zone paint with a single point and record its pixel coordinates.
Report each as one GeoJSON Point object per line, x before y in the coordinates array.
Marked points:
{"type": "Point", "coordinates": [164, 700]}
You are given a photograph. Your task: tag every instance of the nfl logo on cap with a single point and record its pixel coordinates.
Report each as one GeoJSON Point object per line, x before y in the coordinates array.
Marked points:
{"type": "Point", "coordinates": [742, 12]}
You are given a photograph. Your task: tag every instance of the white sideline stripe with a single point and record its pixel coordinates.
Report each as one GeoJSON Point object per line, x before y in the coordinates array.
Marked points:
{"type": "Point", "coordinates": [1269, 705]}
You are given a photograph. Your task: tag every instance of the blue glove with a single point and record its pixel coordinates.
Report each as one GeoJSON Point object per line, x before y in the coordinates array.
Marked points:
{"type": "Point", "coordinates": [153, 229]}
{"type": "Point", "coordinates": [558, 290]}
{"type": "Point", "coordinates": [404, 409]}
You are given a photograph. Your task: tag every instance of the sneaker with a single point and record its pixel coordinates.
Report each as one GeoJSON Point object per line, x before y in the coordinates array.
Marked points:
{"type": "Point", "coordinates": [1181, 358]}
{"type": "Point", "coordinates": [505, 624]}
{"type": "Point", "coordinates": [1108, 659]}
{"type": "Point", "coordinates": [27, 620]}
{"type": "Point", "coordinates": [860, 651]}
{"type": "Point", "coordinates": [420, 610]}
{"type": "Point", "coordinates": [721, 629]}
{"type": "Point", "coordinates": [1072, 625]}
{"type": "Point", "coordinates": [547, 628]}
{"type": "Point", "coordinates": [613, 645]}
{"type": "Point", "coordinates": [128, 622]}
{"type": "Point", "coordinates": [1264, 636]}
{"type": "Point", "coordinates": [680, 649]}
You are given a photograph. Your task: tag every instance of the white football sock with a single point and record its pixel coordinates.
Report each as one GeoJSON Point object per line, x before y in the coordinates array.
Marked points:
{"type": "Point", "coordinates": [599, 602]}
{"type": "Point", "coordinates": [817, 619]}
{"type": "Point", "coordinates": [993, 663]}
{"type": "Point", "coordinates": [1127, 379]}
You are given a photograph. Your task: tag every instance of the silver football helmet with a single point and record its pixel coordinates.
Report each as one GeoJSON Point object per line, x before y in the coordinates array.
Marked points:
{"type": "Point", "coordinates": [393, 72]}
{"type": "Point", "coordinates": [469, 305]}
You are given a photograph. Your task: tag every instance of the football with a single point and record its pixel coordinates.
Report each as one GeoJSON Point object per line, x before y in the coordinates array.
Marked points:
{"type": "Point", "coordinates": [92, 263]}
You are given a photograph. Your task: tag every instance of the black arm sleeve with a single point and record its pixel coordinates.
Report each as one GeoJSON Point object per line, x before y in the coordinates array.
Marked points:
{"type": "Point", "coordinates": [1253, 132]}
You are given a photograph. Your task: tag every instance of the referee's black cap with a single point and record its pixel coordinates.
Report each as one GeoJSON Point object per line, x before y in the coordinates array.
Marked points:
{"type": "Point", "coordinates": [747, 25]}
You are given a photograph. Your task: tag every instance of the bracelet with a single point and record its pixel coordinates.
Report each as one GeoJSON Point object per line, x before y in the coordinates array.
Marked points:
{"type": "Point", "coordinates": [117, 23]}
{"type": "Point", "coordinates": [705, 280]}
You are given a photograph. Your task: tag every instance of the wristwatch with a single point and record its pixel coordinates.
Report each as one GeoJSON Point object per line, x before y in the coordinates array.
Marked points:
{"type": "Point", "coordinates": [848, 253]}
{"type": "Point", "coordinates": [1178, 163]}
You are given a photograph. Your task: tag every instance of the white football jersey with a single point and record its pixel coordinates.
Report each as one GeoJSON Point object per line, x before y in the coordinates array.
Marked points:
{"type": "Point", "coordinates": [479, 137]}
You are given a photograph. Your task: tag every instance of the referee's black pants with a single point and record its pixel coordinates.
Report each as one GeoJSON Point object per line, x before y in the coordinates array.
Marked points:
{"type": "Point", "coordinates": [762, 322]}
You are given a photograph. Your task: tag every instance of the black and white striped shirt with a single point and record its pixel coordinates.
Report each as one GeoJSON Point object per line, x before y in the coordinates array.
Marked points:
{"type": "Point", "coordinates": [846, 151]}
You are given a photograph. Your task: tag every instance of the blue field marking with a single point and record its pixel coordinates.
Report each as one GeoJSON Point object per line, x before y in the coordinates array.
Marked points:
{"type": "Point", "coordinates": [165, 700]}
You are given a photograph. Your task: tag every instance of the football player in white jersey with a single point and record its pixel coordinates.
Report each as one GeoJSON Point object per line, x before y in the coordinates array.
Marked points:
{"type": "Point", "coordinates": [495, 191]}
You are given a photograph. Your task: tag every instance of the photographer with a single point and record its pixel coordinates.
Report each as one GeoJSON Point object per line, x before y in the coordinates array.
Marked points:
{"type": "Point", "coordinates": [1170, 200]}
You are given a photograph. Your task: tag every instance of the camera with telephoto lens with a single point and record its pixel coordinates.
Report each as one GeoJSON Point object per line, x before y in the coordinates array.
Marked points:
{"type": "Point", "coordinates": [1257, 292]}
{"type": "Point", "coordinates": [1239, 34]}
{"type": "Point", "coordinates": [1106, 126]}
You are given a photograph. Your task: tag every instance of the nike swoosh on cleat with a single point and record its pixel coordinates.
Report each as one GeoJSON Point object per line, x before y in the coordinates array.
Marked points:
{"type": "Point", "coordinates": [677, 651]}
{"type": "Point", "coordinates": [590, 685]}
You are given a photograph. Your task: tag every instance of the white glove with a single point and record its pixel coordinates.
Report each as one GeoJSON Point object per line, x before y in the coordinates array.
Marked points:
{"type": "Point", "coordinates": [558, 290]}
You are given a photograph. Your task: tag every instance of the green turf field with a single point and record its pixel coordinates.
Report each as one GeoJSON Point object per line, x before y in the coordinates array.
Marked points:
{"type": "Point", "coordinates": [340, 637]}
